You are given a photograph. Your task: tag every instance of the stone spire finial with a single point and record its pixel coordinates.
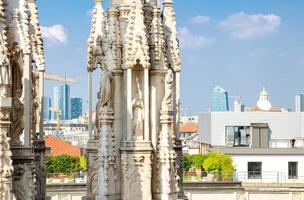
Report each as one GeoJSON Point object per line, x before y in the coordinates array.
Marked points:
{"type": "Point", "coordinates": [137, 49]}
{"type": "Point", "coordinates": [169, 23]}
{"type": "Point", "coordinates": [97, 35]}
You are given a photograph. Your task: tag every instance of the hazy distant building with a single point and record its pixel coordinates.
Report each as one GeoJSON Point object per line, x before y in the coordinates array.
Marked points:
{"type": "Point", "coordinates": [238, 106]}
{"type": "Point", "coordinates": [220, 101]}
{"type": "Point", "coordinates": [299, 104]}
{"type": "Point", "coordinates": [57, 103]}
{"type": "Point", "coordinates": [76, 107]}
{"type": "Point", "coordinates": [47, 104]}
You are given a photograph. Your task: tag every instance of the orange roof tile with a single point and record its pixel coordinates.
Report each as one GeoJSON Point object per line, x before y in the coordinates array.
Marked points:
{"type": "Point", "coordinates": [61, 147]}
{"type": "Point", "coordinates": [188, 127]}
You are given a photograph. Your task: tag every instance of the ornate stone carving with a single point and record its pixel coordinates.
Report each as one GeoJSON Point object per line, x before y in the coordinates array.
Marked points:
{"type": "Point", "coordinates": [136, 49]}
{"type": "Point", "coordinates": [241, 196]}
{"type": "Point", "coordinates": [172, 44]}
{"type": "Point", "coordinates": [167, 103]}
{"type": "Point", "coordinates": [23, 175]}
{"type": "Point", "coordinates": [17, 121]}
{"type": "Point", "coordinates": [137, 172]}
{"type": "Point", "coordinates": [6, 167]}
{"type": "Point", "coordinates": [141, 46]}
{"type": "Point", "coordinates": [138, 114]}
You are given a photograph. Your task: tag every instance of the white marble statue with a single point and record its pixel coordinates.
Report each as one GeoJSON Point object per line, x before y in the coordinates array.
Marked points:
{"type": "Point", "coordinates": [105, 88]}
{"type": "Point", "coordinates": [168, 88]}
{"type": "Point", "coordinates": [138, 113]}
{"type": "Point", "coordinates": [5, 73]}
{"type": "Point", "coordinates": [17, 119]}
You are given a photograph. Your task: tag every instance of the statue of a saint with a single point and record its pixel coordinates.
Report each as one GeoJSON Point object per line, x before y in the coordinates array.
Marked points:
{"type": "Point", "coordinates": [138, 114]}
{"type": "Point", "coordinates": [105, 88]}
{"type": "Point", "coordinates": [17, 121]}
{"type": "Point", "coordinates": [5, 73]}
{"type": "Point", "coordinates": [96, 54]}
{"type": "Point", "coordinates": [97, 114]}
{"type": "Point", "coordinates": [168, 89]}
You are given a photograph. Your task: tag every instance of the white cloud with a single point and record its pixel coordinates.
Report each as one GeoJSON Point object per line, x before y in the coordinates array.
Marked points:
{"type": "Point", "coordinates": [242, 25]}
{"type": "Point", "coordinates": [189, 40]}
{"type": "Point", "coordinates": [200, 19]}
{"type": "Point", "coordinates": [56, 33]}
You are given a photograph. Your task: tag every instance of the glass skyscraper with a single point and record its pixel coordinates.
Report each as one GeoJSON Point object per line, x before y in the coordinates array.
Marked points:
{"type": "Point", "coordinates": [57, 100]}
{"type": "Point", "coordinates": [62, 101]}
{"type": "Point", "coordinates": [76, 107]}
{"type": "Point", "coordinates": [220, 101]}
{"type": "Point", "coordinates": [66, 102]}
{"type": "Point", "coordinates": [47, 104]}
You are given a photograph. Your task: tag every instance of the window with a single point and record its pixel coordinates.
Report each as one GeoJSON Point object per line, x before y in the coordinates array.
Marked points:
{"type": "Point", "coordinates": [237, 136]}
{"type": "Point", "coordinates": [254, 170]}
{"type": "Point", "coordinates": [292, 170]}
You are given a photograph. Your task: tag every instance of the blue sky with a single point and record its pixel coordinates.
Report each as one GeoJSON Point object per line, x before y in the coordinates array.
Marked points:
{"type": "Point", "coordinates": [240, 45]}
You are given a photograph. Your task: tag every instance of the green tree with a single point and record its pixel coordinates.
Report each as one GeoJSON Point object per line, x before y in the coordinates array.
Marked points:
{"type": "Point", "coordinates": [219, 163]}
{"type": "Point", "coordinates": [63, 164]}
{"type": "Point", "coordinates": [187, 163]}
{"type": "Point", "coordinates": [83, 163]}
{"type": "Point", "coordinates": [198, 161]}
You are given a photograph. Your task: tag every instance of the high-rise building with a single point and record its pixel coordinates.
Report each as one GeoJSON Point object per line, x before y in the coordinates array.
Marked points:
{"type": "Point", "coordinates": [47, 104]}
{"type": "Point", "coordinates": [219, 100]}
{"type": "Point", "coordinates": [62, 101]}
{"type": "Point", "coordinates": [76, 107]}
{"type": "Point", "coordinates": [57, 103]}
{"type": "Point", "coordinates": [66, 102]}
{"type": "Point", "coordinates": [299, 104]}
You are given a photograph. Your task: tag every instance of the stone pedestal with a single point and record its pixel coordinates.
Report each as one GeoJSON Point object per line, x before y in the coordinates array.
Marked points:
{"type": "Point", "coordinates": [23, 176]}
{"type": "Point", "coordinates": [92, 159]}
{"type": "Point", "coordinates": [40, 169]}
{"type": "Point", "coordinates": [136, 168]}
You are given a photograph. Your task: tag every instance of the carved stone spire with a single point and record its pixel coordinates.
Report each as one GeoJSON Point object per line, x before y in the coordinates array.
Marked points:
{"type": "Point", "coordinates": [97, 36]}
{"type": "Point", "coordinates": [169, 23]}
{"type": "Point", "coordinates": [136, 40]}
{"type": "Point", "coordinates": [36, 37]}
{"type": "Point", "coordinates": [157, 41]}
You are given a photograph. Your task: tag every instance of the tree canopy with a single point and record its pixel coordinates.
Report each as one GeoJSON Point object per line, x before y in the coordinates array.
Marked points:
{"type": "Point", "coordinates": [65, 164]}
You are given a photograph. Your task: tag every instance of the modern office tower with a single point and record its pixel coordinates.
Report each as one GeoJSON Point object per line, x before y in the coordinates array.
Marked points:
{"type": "Point", "coordinates": [66, 102]}
{"type": "Point", "coordinates": [219, 100]}
{"type": "Point", "coordinates": [57, 103]}
{"type": "Point", "coordinates": [62, 101]}
{"type": "Point", "coordinates": [47, 104]}
{"type": "Point", "coordinates": [299, 104]}
{"type": "Point", "coordinates": [76, 107]}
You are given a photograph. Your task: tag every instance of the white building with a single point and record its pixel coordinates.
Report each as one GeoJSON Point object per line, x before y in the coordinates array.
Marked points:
{"type": "Point", "coordinates": [74, 131]}
{"type": "Point", "coordinates": [267, 146]}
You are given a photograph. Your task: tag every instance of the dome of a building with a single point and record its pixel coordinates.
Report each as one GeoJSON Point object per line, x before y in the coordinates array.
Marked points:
{"type": "Point", "coordinates": [263, 102]}
{"type": "Point", "coordinates": [264, 93]}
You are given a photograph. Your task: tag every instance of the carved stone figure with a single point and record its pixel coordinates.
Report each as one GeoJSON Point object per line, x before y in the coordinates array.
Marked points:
{"type": "Point", "coordinates": [17, 120]}
{"type": "Point", "coordinates": [168, 88]}
{"type": "Point", "coordinates": [138, 114]}
{"type": "Point", "coordinates": [97, 115]}
{"type": "Point", "coordinates": [105, 88]}
{"type": "Point", "coordinates": [5, 73]}
{"type": "Point", "coordinates": [96, 54]}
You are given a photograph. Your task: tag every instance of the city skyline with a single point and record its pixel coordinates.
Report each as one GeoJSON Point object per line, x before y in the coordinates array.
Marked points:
{"type": "Point", "coordinates": [70, 107]}
{"type": "Point", "coordinates": [259, 43]}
